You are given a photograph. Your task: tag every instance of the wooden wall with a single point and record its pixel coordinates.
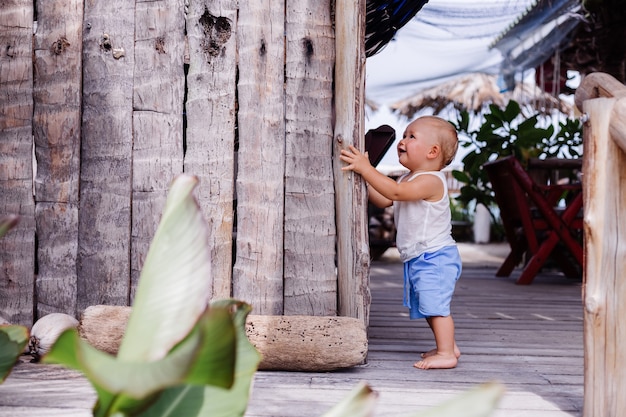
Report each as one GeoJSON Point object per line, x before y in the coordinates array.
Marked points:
{"type": "Point", "coordinates": [113, 99]}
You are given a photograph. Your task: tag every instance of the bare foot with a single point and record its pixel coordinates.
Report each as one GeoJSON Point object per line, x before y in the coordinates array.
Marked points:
{"type": "Point", "coordinates": [437, 361]}
{"type": "Point", "coordinates": [433, 352]}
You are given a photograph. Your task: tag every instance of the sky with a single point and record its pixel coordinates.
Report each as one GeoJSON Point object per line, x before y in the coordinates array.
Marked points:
{"type": "Point", "coordinates": [445, 40]}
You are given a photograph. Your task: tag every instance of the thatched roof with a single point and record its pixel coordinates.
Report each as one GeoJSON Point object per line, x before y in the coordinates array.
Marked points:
{"type": "Point", "coordinates": [474, 92]}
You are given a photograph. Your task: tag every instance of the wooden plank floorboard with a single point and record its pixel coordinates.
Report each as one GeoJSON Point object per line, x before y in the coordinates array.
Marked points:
{"type": "Point", "coordinates": [527, 337]}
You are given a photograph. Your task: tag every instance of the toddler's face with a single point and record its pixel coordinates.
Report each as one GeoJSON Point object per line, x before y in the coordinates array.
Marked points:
{"type": "Point", "coordinates": [415, 144]}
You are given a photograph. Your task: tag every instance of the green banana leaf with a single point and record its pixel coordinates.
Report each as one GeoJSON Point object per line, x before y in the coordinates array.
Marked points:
{"type": "Point", "coordinates": [205, 401]}
{"type": "Point", "coordinates": [173, 342]}
{"type": "Point", "coordinates": [359, 403]}
{"type": "Point", "coordinates": [477, 402]}
{"type": "Point", "coordinates": [175, 282]}
{"type": "Point", "coordinates": [13, 339]}
{"type": "Point", "coordinates": [7, 223]}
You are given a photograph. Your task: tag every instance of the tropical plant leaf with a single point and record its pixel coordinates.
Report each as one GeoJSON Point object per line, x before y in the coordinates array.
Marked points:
{"type": "Point", "coordinates": [135, 379]}
{"type": "Point", "coordinates": [477, 402]}
{"type": "Point", "coordinates": [7, 223]}
{"type": "Point", "coordinates": [359, 403]}
{"type": "Point", "coordinates": [13, 339]}
{"type": "Point", "coordinates": [175, 282]}
{"type": "Point", "coordinates": [198, 401]}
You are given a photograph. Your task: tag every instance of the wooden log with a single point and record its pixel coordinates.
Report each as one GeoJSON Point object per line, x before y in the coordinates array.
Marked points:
{"type": "Point", "coordinates": [353, 258]}
{"type": "Point", "coordinates": [104, 220]}
{"type": "Point", "coordinates": [17, 248]}
{"type": "Point", "coordinates": [604, 295]}
{"type": "Point", "coordinates": [289, 343]}
{"type": "Point", "coordinates": [598, 84]}
{"type": "Point", "coordinates": [309, 247]}
{"type": "Point", "coordinates": [56, 127]}
{"type": "Point", "coordinates": [158, 92]}
{"type": "Point", "coordinates": [258, 270]}
{"type": "Point", "coordinates": [211, 133]}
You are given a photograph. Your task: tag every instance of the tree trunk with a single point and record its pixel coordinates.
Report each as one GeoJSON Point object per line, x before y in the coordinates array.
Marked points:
{"type": "Point", "coordinates": [210, 109]}
{"type": "Point", "coordinates": [158, 94]}
{"type": "Point", "coordinates": [56, 126]}
{"type": "Point", "coordinates": [106, 154]}
{"type": "Point", "coordinates": [258, 270]}
{"type": "Point", "coordinates": [17, 248]}
{"type": "Point", "coordinates": [310, 273]}
{"type": "Point", "coordinates": [352, 236]}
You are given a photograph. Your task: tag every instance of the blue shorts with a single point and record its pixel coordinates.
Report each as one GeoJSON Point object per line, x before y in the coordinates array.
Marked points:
{"type": "Point", "coordinates": [429, 281]}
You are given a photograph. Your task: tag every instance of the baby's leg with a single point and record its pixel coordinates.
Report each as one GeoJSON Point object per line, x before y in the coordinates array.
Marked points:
{"type": "Point", "coordinates": [444, 357]}
{"type": "Point", "coordinates": [457, 351]}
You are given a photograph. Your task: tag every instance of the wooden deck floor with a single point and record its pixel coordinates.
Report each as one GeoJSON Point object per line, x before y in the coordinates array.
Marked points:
{"type": "Point", "coordinates": [527, 337]}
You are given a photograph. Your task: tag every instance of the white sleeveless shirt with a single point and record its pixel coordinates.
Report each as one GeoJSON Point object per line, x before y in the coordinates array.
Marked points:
{"type": "Point", "coordinates": [423, 226]}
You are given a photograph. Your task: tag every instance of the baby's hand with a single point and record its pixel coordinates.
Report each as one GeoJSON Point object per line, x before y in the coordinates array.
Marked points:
{"type": "Point", "coordinates": [356, 160]}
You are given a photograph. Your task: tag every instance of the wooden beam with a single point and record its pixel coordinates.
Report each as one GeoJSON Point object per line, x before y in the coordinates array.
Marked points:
{"type": "Point", "coordinates": [353, 259]}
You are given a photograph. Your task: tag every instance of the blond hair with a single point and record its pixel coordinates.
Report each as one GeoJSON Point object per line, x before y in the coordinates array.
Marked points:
{"type": "Point", "coordinates": [446, 136]}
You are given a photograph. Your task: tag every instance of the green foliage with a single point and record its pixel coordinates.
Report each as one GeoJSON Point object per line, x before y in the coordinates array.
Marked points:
{"type": "Point", "coordinates": [7, 223]}
{"type": "Point", "coordinates": [13, 339]}
{"type": "Point", "coordinates": [506, 131]}
{"type": "Point", "coordinates": [180, 355]}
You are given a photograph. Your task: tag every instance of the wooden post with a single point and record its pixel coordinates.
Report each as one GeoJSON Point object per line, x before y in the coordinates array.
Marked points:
{"type": "Point", "coordinates": [211, 115]}
{"type": "Point", "coordinates": [604, 291]}
{"type": "Point", "coordinates": [158, 95]}
{"type": "Point", "coordinates": [258, 270]}
{"type": "Point", "coordinates": [56, 125]}
{"type": "Point", "coordinates": [104, 221]}
{"type": "Point", "coordinates": [17, 248]}
{"type": "Point", "coordinates": [352, 239]}
{"type": "Point", "coordinates": [310, 231]}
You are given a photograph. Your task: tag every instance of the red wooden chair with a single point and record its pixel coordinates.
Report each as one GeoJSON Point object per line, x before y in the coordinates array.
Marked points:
{"type": "Point", "coordinates": [534, 227]}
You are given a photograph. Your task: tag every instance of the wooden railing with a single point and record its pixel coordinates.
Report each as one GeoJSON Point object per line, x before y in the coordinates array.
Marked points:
{"type": "Point", "coordinates": [602, 99]}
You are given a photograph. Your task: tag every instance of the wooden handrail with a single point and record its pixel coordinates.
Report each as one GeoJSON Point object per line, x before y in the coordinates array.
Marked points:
{"type": "Point", "coordinates": [598, 84]}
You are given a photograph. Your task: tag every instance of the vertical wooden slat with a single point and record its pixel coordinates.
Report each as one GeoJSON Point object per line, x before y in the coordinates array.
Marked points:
{"type": "Point", "coordinates": [210, 109]}
{"type": "Point", "coordinates": [106, 154]}
{"type": "Point", "coordinates": [158, 94]}
{"type": "Point", "coordinates": [605, 260]}
{"type": "Point", "coordinates": [56, 126]}
{"type": "Point", "coordinates": [17, 248]}
{"type": "Point", "coordinates": [352, 240]}
{"type": "Point", "coordinates": [310, 273]}
{"type": "Point", "coordinates": [258, 270]}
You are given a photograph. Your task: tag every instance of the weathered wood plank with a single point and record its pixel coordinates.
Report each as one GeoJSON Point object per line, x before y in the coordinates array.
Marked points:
{"type": "Point", "coordinates": [210, 133]}
{"type": "Point", "coordinates": [352, 236]}
{"type": "Point", "coordinates": [258, 269]}
{"type": "Point", "coordinates": [310, 231]}
{"type": "Point", "coordinates": [104, 226]}
{"type": "Point", "coordinates": [604, 198]}
{"type": "Point", "coordinates": [17, 248]}
{"type": "Point", "coordinates": [158, 92]}
{"type": "Point", "coordinates": [56, 125]}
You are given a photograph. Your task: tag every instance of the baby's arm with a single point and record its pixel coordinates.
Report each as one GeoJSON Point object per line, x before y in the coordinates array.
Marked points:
{"type": "Point", "coordinates": [377, 198]}
{"type": "Point", "coordinates": [424, 187]}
